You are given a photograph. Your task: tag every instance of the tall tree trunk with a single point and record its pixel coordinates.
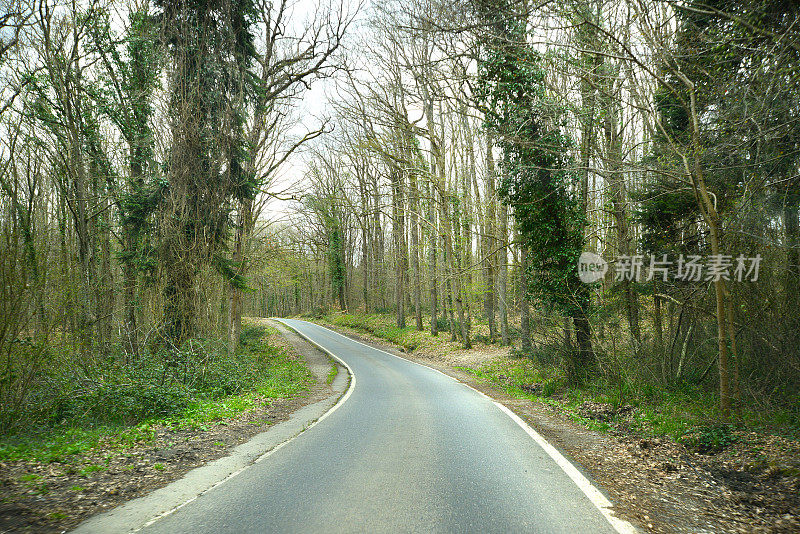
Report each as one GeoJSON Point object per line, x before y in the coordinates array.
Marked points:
{"type": "Point", "coordinates": [489, 241]}
{"type": "Point", "coordinates": [468, 211]}
{"type": "Point", "coordinates": [583, 340]}
{"type": "Point", "coordinates": [792, 277]}
{"type": "Point", "coordinates": [398, 231]}
{"type": "Point", "coordinates": [414, 222]}
{"type": "Point", "coordinates": [658, 327]}
{"type": "Point", "coordinates": [343, 264]}
{"type": "Point", "coordinates": [80, 200]}
{"type": "Point", "coordinates": [377, 239]}
{"type": "Point", "coordinates": [588, 40]}
{"type": "Point", "coordinates": [525, 311]}
{"type": "Point", "coordinates": [616, 181]}
{"type": "Point", "coordinates": [433, 240]}
{"type": "Point", "coordinates": [129, 297]}
{"type": "Point", "coordinates": [365, 264]}
{"type": "Point", "coordinates": [70, 320]}
{"type": "Point", "coordinates": [364, 222]}
{"type": "Point", "coordinates": [180, 299]}
{"type": "Point", "coordinates": [243, 229]}
{"type": "Point", "coordinates": [502, 269]}
{"type": "Point", "coordinates": [711, 217]}
{"type": "Point", "coordinates": [106, 294]}
{"type": "Point", "coordinates": [453, 277]}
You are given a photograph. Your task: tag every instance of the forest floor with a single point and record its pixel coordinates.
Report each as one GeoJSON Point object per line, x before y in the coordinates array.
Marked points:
{"type": "Point", "coordinates": [751, 484]}
{"type": "Point", "coordinates": [40, 495]}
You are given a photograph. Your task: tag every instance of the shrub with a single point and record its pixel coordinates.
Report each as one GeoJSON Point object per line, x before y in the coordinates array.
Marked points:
{"type": "Point", "coordinates": [154, 386]}
{"type": "Point", "coordinates": [709, 439]}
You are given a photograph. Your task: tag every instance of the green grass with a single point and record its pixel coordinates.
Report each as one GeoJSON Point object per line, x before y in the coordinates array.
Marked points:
{"type": "Point", "coordinates": [332, 373]}
{"type": "Point", "coordinates": [274, 373]}
{"type": "Point", "coordinates": [380, 326]}
{"type": "Point", "coordinates": [52, 446]}
{"type": "Point", "coordinates": [32, 482]}
{"type": "Point", "coordinates": [383, 326]}
{"type": "Point", "coordinates": [87, 470]}
{"type": "Point", "coordinates": [678, 414]}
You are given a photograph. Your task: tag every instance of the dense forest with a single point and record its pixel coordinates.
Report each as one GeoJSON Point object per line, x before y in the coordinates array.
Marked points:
{"type": "Point", "coordinates": [480, 148]}
{"type": "Point", "coordinates": [469, 152]}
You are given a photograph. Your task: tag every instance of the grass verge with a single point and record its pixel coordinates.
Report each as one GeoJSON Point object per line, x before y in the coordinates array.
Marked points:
{"type": "Point", "coordinates": [408, 339]}
{"type": "Point", "coordinates": [224, 388]}
{"type": "Point", "coordinates": [332, 373]}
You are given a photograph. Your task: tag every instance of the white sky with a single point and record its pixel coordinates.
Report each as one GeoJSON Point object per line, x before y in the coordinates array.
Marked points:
{"type": "Point", "coordinates": [310, 111]}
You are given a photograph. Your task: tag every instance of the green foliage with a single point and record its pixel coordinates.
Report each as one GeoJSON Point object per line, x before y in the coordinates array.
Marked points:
{"type": "Point", "coordinates": [667, 212]}
{"type": "Point", "coordinates": [123, 404]}
{"type": "Point", "coordinates": [332, 374]}
{"type": "Point", "coordinates": [442, 324]}
{"type": "Point", "coordinates": [52, 446]}
{"type": "Point", "coordinates": [121, 400]}
{"type": "Point", "coordinates": [335, 258]}
{"type": "Point", "coordinates": [87, 470]}
{"type": "Point", "coordinates": [230, 271]}
{"type": "Point", "coordinates": [523, 377]}
{"type": "Point", "coordinates": [376, 325]}
{"type": "Point", "coordinates": [709, 439]}
{"type": "Point", "coordinates": [685, 414]}
{"type": "Point", "coordinates": [537, 181]}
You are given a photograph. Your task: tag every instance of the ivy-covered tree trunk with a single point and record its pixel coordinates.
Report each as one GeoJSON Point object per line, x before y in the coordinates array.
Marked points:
{"type": "Point", "coordinates": [336, 265]}
{"type": "Point", "coordinates": [212, 48]}
{"type": "Point", "coordinates": [539, 179]}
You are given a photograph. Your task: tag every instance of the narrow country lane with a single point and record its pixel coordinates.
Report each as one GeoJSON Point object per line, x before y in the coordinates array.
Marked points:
{"type": "Point", "coordinates": [410, 450]}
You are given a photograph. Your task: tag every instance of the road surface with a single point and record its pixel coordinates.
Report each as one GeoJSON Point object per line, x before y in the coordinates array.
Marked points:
{"type": "Point", "coordinates": [410, 450]}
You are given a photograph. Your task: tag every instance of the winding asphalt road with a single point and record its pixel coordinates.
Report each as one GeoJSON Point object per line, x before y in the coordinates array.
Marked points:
{"type": "Point", "coordinates": [410, 450]}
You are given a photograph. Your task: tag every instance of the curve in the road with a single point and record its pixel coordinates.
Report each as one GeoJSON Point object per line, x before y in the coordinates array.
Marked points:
{"type": "Point", "coordinates": [409, 449]}
{"type": "Point", "coordinates": [590, 490]}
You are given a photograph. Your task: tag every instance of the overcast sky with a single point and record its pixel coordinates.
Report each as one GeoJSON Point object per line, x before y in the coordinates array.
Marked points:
{"type": "Point", "coordinates": [310, 111]}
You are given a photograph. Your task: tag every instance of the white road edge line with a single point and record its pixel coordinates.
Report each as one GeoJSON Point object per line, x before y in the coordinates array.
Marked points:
{"type": "Point", "coordinates": [332, 355]}
{"type": "Point", "coordinates": [335, 407]}
{"type": "Point", "coordinates": [594, 495]}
